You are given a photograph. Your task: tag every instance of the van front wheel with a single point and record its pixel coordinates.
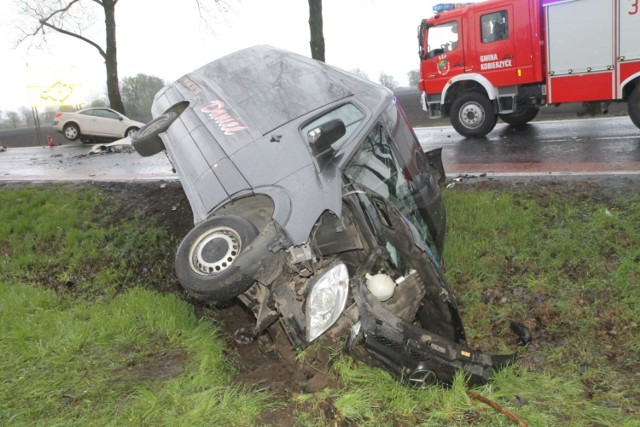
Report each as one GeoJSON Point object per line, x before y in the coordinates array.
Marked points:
{"type": "Point", "coordinates": [206, 259]}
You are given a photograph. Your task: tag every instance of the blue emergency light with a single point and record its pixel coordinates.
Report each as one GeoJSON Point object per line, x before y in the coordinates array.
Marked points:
{"type": "Point", "coordinates": [442, 7]}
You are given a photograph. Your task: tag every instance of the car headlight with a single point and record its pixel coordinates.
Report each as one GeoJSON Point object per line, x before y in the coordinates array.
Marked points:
{"type": "Point", "coordinates": [326, 300]}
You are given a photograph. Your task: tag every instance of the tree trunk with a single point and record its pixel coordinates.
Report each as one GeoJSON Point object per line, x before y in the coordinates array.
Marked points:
{"type": "Point", "coordinates": [111, 56]}
{"type": "Point", "coordinates": [315, 27]}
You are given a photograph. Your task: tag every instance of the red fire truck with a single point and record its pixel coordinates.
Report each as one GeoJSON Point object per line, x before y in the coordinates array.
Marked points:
{"type": "Point", "coordinates": [506, 58]}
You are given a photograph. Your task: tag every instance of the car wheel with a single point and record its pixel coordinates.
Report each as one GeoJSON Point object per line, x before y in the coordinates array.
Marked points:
{"type": "Point", "coordinates": [521, 116]}
{"type": "Point", "coordinates": [146, 141]}
{"type": "Point", "coordinates": [206, 258]}
{"type": "Point", "coordinates": [131, 131]}
{"type": "Point", "coordinates": [472, 115]}
{"type": "Point", "coordinates": [71, 131]}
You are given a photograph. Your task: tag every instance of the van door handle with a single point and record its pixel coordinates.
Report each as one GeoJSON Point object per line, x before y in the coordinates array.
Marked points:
{"type": "Point", "coordinates": [459, 64]}
{"type": "Point", "coordinates": [507, 57]}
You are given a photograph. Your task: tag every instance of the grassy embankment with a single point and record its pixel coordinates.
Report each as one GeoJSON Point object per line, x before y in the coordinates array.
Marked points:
{"type": "Point", "coordinates": [86, 340]}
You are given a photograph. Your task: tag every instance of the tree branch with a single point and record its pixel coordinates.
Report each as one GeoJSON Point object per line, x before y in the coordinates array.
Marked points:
{"type": "Point", "coordinates": [60, 11]}
{"type": "Point", "coordinates": [498, 408]}
{"type": "Point", "coordinates": [71, 34]}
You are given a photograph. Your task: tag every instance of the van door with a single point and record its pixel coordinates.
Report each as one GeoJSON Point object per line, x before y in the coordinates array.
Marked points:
{"type": "Point", "coordinates": [495, 45]}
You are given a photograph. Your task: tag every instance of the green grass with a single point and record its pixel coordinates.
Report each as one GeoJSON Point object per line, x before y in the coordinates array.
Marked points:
{"type": "Point", "coordinates": [87, 339]}
{"type": "Point", "coordinates": [107, 350]}
{"type": "Point", "coordinates": [565, 265]}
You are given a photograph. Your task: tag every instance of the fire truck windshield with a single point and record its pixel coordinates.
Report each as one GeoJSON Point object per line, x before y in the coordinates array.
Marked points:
{"type": "Point", "coordinates": [442, 38]}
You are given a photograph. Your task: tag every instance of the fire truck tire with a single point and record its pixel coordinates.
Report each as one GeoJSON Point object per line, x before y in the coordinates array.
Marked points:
{"type": "Point", "coordinates": [634, 106]}
{"type": "Point", "coordinates": [520, 117]}
{"type": "Point", "coordinates": [472, 115]}
{"type": "Point", "coordinates": [206, 258]}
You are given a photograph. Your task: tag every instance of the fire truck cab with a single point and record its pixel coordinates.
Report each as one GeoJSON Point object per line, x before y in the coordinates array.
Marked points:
{"type": "Point", "coordinates": [506, 58]}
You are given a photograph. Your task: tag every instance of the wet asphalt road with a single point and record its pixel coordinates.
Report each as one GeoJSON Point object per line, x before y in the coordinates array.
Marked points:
{"type": "Point", "coordinates": [569, 147]}
{"type": "Point", "coordinates": [578, 146]}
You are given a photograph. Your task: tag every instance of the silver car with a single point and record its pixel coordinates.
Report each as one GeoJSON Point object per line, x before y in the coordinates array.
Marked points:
{"type": "Point", "coordinates": [97, 124]}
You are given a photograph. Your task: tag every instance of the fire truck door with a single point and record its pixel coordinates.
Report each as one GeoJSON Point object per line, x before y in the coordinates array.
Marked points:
{"type": "Point", "coordinates": [443, 57]}
{"type": "Point", "coordinates": [495, 45]}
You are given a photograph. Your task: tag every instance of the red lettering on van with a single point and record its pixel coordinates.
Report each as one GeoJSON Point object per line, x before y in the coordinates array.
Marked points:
{"type": "Point", "coordinates": [218, 113]}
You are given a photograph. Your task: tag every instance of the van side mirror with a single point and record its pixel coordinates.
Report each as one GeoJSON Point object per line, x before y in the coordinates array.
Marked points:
{"type": "Point", "coordinates": [322, 137]}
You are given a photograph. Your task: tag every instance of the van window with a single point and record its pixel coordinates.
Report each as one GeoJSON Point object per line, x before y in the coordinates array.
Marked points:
{"type": "Point", "coordinates": [495, 26]}
{"type": "Point", "coordinates": [350, 115]}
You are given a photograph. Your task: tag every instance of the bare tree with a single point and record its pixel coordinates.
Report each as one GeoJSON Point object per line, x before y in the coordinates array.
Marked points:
{"type": "Point", "coordinates": [388, 81]}
{"type": "Point", "coordinates": [14, 118]}
{"type": "Point", "coordinates": [360, 73]}
{"type": "Point", "coordinates": [65, 17]}
{"type": "Point", "coordinates": [48, 114]}
{"type": "Point", "coordinates": [315, 28]}
{"type": "Point", "coordinates": [27, 114]}
{"type": "Point", "coordinates": [138, 93]}
{"type": "Point", "coordinates": [414, 78]}
{"type": "Point", "coordinates": [69, 17]}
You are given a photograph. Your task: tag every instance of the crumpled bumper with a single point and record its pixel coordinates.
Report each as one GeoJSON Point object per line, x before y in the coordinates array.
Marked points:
{"type": "Point", "coordinates": [413, 354]}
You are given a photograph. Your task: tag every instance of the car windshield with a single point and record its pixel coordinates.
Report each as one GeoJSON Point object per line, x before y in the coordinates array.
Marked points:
{"type": "Point", "coordinates": [376, 166]}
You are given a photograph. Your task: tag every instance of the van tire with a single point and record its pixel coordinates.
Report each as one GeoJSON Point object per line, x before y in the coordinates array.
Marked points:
{"type": "Point", "coordinates": [206, 258]}
{"type": "Point", "coordinates": [146, 140]}
{"type": "Point", "coordinates": [472, 115]}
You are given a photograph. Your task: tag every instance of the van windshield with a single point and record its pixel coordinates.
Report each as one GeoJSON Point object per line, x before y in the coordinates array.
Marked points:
{"type": "Point", "coordinates": [376, 166]}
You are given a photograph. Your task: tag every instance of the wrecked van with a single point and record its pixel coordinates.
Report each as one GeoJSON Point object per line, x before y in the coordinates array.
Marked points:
{"type": "Point", "coordinates": [314, 206]}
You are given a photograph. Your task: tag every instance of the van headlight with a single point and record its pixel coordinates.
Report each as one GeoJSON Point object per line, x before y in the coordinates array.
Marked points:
{"type": "Point", "coordinates": [326, 300]}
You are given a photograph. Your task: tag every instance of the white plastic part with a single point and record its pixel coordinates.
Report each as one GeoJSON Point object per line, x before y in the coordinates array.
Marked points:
{"type": "Point", "coordinates": [326, 301]}
{"type": "Point", "coordinates": [381, 286]}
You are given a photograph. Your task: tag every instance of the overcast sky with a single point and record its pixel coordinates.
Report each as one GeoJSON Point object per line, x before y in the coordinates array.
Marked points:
{"type": "Point", "coordinates": [168, 39]}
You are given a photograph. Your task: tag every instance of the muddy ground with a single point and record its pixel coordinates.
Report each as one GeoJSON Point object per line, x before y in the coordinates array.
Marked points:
{"type": "Point", "coordinates": [262, 363]}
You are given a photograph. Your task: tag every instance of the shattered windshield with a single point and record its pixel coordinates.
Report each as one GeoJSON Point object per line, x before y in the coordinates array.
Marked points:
{"type": "Point", "coordinates": [376, 166]}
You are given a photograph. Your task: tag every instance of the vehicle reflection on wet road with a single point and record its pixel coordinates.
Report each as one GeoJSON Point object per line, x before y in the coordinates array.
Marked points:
{"type": "Point", "coordinates": [581, 146]}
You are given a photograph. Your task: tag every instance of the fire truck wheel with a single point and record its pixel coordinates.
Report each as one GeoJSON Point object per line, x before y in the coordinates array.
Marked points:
{"type": "Point", "coordinates": [634, 106]}
{"type": "Point", "coordinates": [206, 258]}
{"type": "Point", "coordinates": [520, 117]}
{"type": "Point", "coordinates": [472, 115]}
